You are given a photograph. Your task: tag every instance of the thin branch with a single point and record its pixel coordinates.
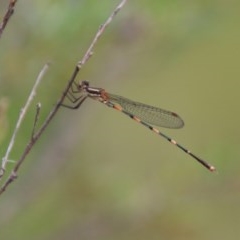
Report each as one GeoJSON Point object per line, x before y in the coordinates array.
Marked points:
{"type": "Point", "coordinates": [7, 15]}
{"type": "Point", "coordinates": [100, 31]}
{"type": "Point", "coordinates": [21, 117]}
{"type": "Point", "coordinates": [78, 67]}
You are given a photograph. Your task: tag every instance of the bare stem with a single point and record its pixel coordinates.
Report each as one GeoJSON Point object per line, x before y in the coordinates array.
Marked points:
{"type": "Point", "coordinates": [7, 15]}
{"type": "Point", "coordinates": [21, 117]}
{"type": "Point", "coordinates": [100, 31]}
{"type": "Point", "coordinates": [78, 67]}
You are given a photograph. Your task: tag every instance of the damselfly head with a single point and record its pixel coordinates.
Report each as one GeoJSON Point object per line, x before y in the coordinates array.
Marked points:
{"type": "Point", "coordinates": [83, 85]}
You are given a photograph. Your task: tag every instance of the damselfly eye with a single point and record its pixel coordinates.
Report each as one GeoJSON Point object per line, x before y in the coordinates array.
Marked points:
{"type": "Point", "coordinates": [84, 84]}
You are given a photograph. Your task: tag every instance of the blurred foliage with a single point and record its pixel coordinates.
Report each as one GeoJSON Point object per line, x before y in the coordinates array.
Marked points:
{"type": "Point", "coordinates": [95, 174]}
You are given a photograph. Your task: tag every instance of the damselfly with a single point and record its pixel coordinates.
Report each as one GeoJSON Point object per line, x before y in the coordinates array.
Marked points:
{"type": "Point", "coordinates": [148, 116]}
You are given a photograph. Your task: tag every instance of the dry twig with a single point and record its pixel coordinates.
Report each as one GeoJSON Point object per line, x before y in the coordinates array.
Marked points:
{"type": "Point", "coordinates": [20, 119]}
{"type": "Point", "coordinates": [78, 67]}
{"type": "Point", "coordinates": [7, 15]}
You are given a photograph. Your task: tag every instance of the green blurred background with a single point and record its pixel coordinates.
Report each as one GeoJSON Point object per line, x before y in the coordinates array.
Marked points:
{"type": "Point", "coordinates": [95, 174]}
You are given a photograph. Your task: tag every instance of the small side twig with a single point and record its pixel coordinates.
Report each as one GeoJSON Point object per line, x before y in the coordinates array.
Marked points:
{"type": "Point", "coordinates": [7, 15]}
{"type": "Point", "coordinates": [78, 67]}
{"type": "Point", "coordinates": [38, 107]}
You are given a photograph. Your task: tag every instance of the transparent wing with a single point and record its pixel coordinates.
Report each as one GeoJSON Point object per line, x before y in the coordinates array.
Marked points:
{"type": "Point", "coordinates": [152, 115]}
